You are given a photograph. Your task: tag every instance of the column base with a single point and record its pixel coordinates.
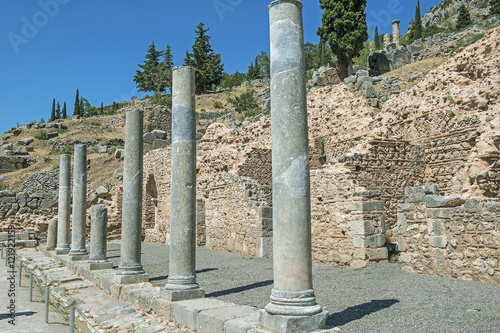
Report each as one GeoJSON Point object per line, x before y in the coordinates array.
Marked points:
{"type": "Point", "coordinates": [94, 266]}
{"type": "Point", "coordinates": [61, 251]}
{"type": "Point", "coordinates": [294, 324]}
{"type": "Point", "coordinates": [135, 278]}
{"type": "Point", "coordinates": [50, 248]}
{"type": "Point", "coordinates": [78, 257]}
{"type": "Point", "coordinates": [293, 303]}
{"type": "Point", "coordinates": [130, 270]}
{"type": "Point", "coordinates": [182, 294]}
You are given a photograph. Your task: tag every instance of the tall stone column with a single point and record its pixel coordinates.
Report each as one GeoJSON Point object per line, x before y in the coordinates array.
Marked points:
{"type": "Point", "coordinates": [130, 262]}
{"type": "Point", "coordinates": [293, 302]}
{"type": "Point", "coordinates": [78, 250]}
{"type": "Point", "coordinates": [395, 32]}
{"type": "Point", "coordinates": [181, 282]}
{"type": "Point", "coordinates": [63, 212]}
{"type": "Point", "coordinates": [98, 238]}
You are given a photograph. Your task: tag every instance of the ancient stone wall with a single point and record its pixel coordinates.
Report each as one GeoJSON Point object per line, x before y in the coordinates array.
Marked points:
{"type": "Point", "coordinates": [449, 236]}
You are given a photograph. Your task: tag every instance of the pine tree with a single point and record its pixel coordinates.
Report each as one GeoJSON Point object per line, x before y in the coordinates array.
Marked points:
{"type": "Point", "coordinates": [76, 109]}
{"type": "Point", "coordinates": [264, 64]}
{"type": "Point", "coordinates": [463, 19]}
{"type": "Point", "coordinates": [495, 7]}
{"type": "Point", "coordinates": [58, 111]}
{"type": "Point", "coordinates": [344, 28]}
{"type": "Point", "coordinates": [102, 108]}
{"type": "Point", "coordinates": [148, 79]}
{"type": "Point", "coordinates": [378, 45]}
{"type": "Point", "coordinates": [252, 73]}
{"type": "Point", "coordinates": [53, 113]}
{"type": "Point", "coordinates": [64, 115]}
{"type": "Point", "coordinates": [166, 69]}
{"type": "Point", "coordinates": [208, 64]}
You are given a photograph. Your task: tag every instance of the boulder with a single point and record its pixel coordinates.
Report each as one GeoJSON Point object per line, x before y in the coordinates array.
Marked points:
{"type": "Point", "coordinates": [25, 142]}
{"type": "Point", "coordinates": [149, 137]}
{"type": "Point", "coordinates": [159, 134]}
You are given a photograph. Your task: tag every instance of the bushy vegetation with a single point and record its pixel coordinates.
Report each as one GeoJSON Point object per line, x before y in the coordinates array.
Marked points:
{"type": "Point", "coordinates": [68, 149]}
{"type": "Point", "coordinates": [42, 135]}
{"type": "Point", "coordinates": [218, 105]}
{"type": "Point", "coordinates": [246, 103]}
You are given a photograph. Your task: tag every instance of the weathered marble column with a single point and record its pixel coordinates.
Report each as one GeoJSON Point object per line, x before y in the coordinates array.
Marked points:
{"type": "Point", "coordinates": [395, 32]}
{"type": "Point", "coordinates": [130, 262]}
{"type": "Point", "coordinates": [98, 238]}
{"type": "Point", "coordinates": [292, 294]}
{"type": "Point", "coordinates": [78, 250]}
{"type": "Point", "coordinates": [181, 282]}
{"type": "Point", "coordinates": [63, 212]}
{"type": "Point", "coordinates": [387, 40]}
{"type": "Point", "coordinates": [52, 235]}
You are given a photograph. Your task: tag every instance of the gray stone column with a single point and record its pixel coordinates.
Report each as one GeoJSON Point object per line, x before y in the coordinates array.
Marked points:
{"type": "Point", "coordinates": [292, 295]}
{"type": "Point", "coordinates": [98, 238]}
{"type": "Point", "coordinates": [52, 235]}
{"type": "Point", "coordinates": [63, 212]}
{"type": "Point", "coordinates": [181, 282]}
{"type": "Point", "coordinates": [395, 32]}
{"type": "Point", "coordinates": [130, 262]}
{"type": "Point", "coordinates": [387, 40]}
{"type": "Point", "coordinates": [78, 250]}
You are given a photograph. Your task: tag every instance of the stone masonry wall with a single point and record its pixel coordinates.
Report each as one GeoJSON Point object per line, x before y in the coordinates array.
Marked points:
{"type": "Point", "coordinates": [449, 236]}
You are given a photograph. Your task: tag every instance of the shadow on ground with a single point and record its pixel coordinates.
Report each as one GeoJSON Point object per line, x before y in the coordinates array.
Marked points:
{"type": "Point", "coordinates": [240, 289]}
{"type": "Point", "coordinates": [358, 311]}
{"type": "Point", "coordinates": [18, 314]}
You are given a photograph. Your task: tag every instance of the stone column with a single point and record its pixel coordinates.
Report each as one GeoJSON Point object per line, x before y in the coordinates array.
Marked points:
{"type": "Point", "coordinates": [293, 303]}
{"type": "Point", "coordinates": [395, 32]}
{"type": "Point", "coordinates": [98, 238]}
{"type": "Point", "coordinates": [63, 212]}
{"type": "Point", "coordinates": [181, 282]}
{"type": "Point", "coordinates": [130, 262]}
{"type": "Point", "coordinates": [52, 235]}
{"type": "Point", "coordinates": [78, 250]}
{"type": "Point", "coordinates": [387, 40]}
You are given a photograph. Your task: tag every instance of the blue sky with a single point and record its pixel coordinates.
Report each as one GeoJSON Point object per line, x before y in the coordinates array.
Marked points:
{"type": "Point", "coordinates": [49, 48]}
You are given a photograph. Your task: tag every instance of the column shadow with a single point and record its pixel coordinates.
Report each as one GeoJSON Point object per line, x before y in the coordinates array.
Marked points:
{"type": "Point", "coordinates": [240, 289]}
{"type": "Point", "coordinates": [165, 277]}
{"type": "Point", "coordinates": [7, 316]}
{"type": "Point", "coordinates": [358, 311]}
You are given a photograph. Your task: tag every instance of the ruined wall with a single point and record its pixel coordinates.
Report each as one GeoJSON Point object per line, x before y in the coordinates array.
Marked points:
{"type": "Point", "coordinates": [449, 236]}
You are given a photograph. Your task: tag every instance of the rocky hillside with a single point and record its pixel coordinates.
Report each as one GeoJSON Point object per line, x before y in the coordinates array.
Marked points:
{"type": "Point", "coordinates": [445, 13]}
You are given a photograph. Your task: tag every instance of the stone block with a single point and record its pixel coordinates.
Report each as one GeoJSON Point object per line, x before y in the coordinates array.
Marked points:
{"type": "Point", "coordinates": [417, 194]}
{"type": "Point", "coordinates": [492, 206]}
{"type": "Point", "coordinates": [441, 213]}
{"type": "Point", "coordinates": [163, 308]}
{"type": "Point", "coordinates": [367, 194]}
{"type": "Point", "coordinates": [437, 201]}
{"type": "Point", "coordinates": [242, 325]}
{"type": "Point", "coordinates": [159, 134]}
{"type": "Point", "coordinates": [292, 324]}
{"type": "Point", "coordinates": [105, 282]}
{"type": "Point", "coordinates": [377, 254]}
{"type": "Point", "coordinates": [186, 312]}
{"type": "Point", "coordinates": [264, 247]}
{"type": "Point", "coordinates": [473, 206]}
{"type": "Point", "coordinates": [438, 241]}
{"type": "Point", "coordinates": [213, 320]}
{"type": "Point", "coordinates": [78, 257]}
{"type": "Point", "coordinates": [401, 222]}
{"type": "Point", "coordinates": [181, 295]}
{"type": "Point", "coordinates": [402, 245]}
{"type": "Point", "coordinates": [266, 212]}
{"type": "Point", "coordinates": [148, 138]}
{"type": "Point", "coordinates": [367, 205]}
{"type": "Point", "coordinates": [435, 227]}
{"type": "Point", "coordinates": [94, 266]}
{"type": "Point", "coordinates": [370, 241]}
{"type": "Point", "coordinates": [363, 228]}
{"type": "Point", "coordinates": [267, 224]}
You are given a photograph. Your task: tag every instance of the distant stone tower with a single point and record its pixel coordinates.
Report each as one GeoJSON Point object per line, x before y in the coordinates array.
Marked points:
{"type": "Point", "coordinates": [395, 32]}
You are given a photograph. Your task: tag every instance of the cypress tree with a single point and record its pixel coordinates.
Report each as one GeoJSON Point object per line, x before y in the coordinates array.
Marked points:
{"type": "Point", "coordinates": [76, 109]}
{"type": "Point", "coordinates": [344, 28]}
{"type": "Point", "coordinates": [208, 64]}
{"type": "Point", "coordinates": [378, 45]}
{"type": "Point", "coordinates": [102, 108]}
{"type": "Point", "coordinates": [417, 28]}
{"type": "Point", "coordinates": [166, 69]}
{"type": "Point", "coordinates": [495, 7]}
{"type": "Point", "coordinates": [463, 19]}
{"type": "Point", "coordinates": [64, 115]}
{"type": "Point", "coordinates": [58, 111]}
{"type": "Point", "coordinates": [53, 113]}
{"type": "Point", "coordinates": [81, 107]}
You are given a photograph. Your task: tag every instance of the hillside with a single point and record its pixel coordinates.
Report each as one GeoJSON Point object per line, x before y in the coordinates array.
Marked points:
{"type": "Point", "coordinates": [445, 13]}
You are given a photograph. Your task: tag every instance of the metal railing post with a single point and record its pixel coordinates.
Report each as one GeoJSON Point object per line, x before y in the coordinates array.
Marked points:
{"type": "Point", "coordinates": [71, 319]}
{"type": "Point", "coordinates": [31, 287]}
{"type": "Point", "coordinates": [20, 272]}
{"type": "Point", "coordinates": [47, 291]}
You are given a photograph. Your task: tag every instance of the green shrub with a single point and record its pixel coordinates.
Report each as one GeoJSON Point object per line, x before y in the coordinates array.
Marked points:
{"type": "Point", "coordinates": [47, 159]}
{"type": "Point", "coordinates": [68, 149]}
{"type": "Point", "coordinates": [3, 186]}
{"type": "Point", "coordinates": [246, 103]}
{"type": "Point", "coordinates": [218, 105]}
{"type": "Point", "coordinates": [62, 131]}
{"type": "Point", "coordinates": [42, 135]}
{"type": "Point", "coordinates": [162, 99]}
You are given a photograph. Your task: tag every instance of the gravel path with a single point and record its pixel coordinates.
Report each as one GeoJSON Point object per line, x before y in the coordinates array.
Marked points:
{"type": "Point", "coordinates": [382, 298]}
